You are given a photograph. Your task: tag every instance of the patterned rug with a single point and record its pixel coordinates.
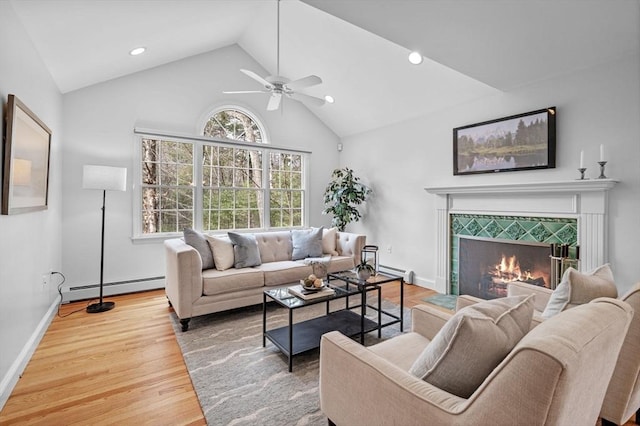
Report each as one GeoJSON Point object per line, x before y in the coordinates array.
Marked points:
{"type": "Point", "coordinates": [447, 301]}
{"type": "Point", "coordinates": [238, 382]}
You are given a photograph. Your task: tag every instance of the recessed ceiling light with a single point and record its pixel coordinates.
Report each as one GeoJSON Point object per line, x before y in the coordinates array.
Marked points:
{"type": "Point", "coordinates": [415, 58]}
{"type": "Point", "coordinates": [137, 51]}
{"type": "Point", "coordinates": [329, 99]}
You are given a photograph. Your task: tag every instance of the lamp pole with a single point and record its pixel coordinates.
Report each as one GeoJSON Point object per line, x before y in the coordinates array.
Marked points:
{"type": "Point", "coordinates": [101, 306]}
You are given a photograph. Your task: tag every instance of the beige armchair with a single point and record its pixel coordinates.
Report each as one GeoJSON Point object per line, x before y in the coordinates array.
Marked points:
{"type": "Point", "coordinates": [623, 394]}
{"type": "Point", "coordinates": [622, 399]}
{"type": "Point", "coordinates": [547, 379]}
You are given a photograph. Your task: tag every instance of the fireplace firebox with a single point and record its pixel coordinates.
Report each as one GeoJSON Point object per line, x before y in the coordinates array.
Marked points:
{"type": "Point", "coordinates": [487, 265]}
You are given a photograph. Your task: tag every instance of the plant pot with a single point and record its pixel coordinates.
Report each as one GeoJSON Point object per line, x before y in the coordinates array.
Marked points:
{"type": "Point", "coordinates": [364, 274]}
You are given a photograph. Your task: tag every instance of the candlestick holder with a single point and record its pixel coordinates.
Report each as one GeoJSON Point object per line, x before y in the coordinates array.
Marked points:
{"type": "Point", "coordinates": [602, 164]}
{"type": "Point", "coordinates": [582, 170]}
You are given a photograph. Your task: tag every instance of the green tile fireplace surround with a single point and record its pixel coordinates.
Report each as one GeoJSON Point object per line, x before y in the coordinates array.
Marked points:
{"type": "Point", "coordinates": [569, 212]}
{"type": "Point", "coordinates": [546, 230]}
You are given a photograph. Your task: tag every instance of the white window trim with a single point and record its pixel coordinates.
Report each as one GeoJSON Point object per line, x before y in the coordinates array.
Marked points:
{"type": "Point", "coordinates": [198, 141]}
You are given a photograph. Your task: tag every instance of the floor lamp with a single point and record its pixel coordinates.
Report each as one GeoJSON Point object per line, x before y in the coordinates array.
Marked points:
{"type": "Point", "coordinates": [105, 178]}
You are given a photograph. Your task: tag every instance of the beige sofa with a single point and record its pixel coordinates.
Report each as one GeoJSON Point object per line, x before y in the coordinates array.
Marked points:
{"type": "Point", "coordinates": [193, 291]}
{"type": "Point", "coordinates": [556, 375]}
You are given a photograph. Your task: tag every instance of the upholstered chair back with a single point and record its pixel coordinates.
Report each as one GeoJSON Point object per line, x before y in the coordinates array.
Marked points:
{"type": "Point", "coordinates": [623, 395]}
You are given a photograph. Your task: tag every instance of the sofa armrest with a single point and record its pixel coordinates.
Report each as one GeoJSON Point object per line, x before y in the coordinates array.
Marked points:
{"type": "Point", "coordinates": [427, 321]}
{"type": "Point", "coordinates": [349, 370]}
{"type": "Point", "coordinates": [183, 276]}
{"type": "Point", "coordinates": [350, 244]}
{"type": "Point", "coordinates": [464, 300]}
{"type": "Point", "coordinates": [541, 298]}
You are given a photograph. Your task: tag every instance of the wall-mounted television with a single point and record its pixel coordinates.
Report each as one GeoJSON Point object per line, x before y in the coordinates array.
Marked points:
{"type": "Point", "coordinates": [519, 142]}
{"type": "Point", "coordinates": [27, 145]}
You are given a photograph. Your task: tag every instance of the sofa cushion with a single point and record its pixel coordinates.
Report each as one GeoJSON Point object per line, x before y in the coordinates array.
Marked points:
{"type": "Point", "coordinates": [577, 288]}
{"type": "Point", "coordinates": [329, 241]}
{"type": "Point", "coordinates": [340, 263]}
{"type": "Point", "coordinates": [222, 249]}
{"type": "Point", "coordinates": [198, 241]}
{"type": "Point", "coordinates": [245, 250]}
{"type": "Point", "coordinates": [402, 350]}
{"type": "Point", "coordinates": [284, 272]}
{"type": "Point", "coordinates": [216, 282]}
{"type": "Point", "coordinates": [472, 343]}
{"type": "Point", "coordinates": [274, 246]}
{"type": "Point", "coordinates": [306, 243]}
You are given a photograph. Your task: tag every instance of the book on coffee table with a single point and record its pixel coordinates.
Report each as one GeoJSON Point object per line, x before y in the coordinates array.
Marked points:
{"type": "Point", "coordinates": [299, 291]}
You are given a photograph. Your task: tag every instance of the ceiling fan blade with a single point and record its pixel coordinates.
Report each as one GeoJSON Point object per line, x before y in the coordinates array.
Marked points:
{"type": "Point", "coordinates": [301, 83]}
{"type": "Point", "coordinates": [307, 99]}
{"type": "Point", "coordinates": [274, 101]}
{"type": "Point", "coordinates": [257, 78]}
{"type": "Point", "coordinates": [246, 91]}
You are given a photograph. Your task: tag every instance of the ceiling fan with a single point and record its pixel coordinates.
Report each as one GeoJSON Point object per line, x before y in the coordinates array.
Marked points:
{"type": "Point", "coordinates": [278, 86]}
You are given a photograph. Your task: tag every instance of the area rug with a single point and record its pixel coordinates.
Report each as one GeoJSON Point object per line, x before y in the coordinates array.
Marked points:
{"type": "Point", "coordinates": [238, 382]}
{"type": "Point", "coordinates": [447, 301]}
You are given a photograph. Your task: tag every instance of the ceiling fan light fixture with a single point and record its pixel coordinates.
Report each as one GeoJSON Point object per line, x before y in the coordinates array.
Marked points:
{"type": "Point", "coordinates": [415, 58]}
{"type": "Point", "coordinates": [137, 51]}
{"type": "Point", "coordinates": [329, 99]}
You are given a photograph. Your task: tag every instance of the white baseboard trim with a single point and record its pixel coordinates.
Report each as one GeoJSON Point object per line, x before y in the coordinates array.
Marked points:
{"type": "Point", "coordinates": [422, 282]}
{"type": "Point", "coordinates": [14, 373]}
{"type": "Point", "coordinates": [72, 294]}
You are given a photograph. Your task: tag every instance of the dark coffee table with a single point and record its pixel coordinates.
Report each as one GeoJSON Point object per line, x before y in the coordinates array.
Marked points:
{"type": "Point", "coordinates": [294, 339]}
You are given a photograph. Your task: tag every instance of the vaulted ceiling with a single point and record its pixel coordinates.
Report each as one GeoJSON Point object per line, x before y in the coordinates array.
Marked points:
{"type": "Point", "coordinates": [473, 48]}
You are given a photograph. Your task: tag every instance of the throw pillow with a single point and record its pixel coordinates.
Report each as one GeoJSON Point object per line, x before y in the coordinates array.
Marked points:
{"type": "Point", "coordinates": [222, 249]}
{"type": "Point", "coordinates": [306, 243]}
{"type": "Point", "coordinates": [245, 250]}
{"type": "Point", "coordinates": [329, 241]}
{"type": "Point", "coordinates": [198, 241]}
{"type": "Point", "coordinates": [472, 344]}
{"type": "Point", "coordinates": [577, 288]}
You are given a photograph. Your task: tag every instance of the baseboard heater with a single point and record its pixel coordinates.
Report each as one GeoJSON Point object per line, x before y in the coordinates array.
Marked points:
{"type": "Point", "coordinates": [406, 274]}
{"type": "Point", "coordinates": [92, 291]}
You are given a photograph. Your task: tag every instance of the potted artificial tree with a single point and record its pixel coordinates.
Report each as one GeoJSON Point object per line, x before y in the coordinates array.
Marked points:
{"type": "Point", "coordinates": [342, 197]}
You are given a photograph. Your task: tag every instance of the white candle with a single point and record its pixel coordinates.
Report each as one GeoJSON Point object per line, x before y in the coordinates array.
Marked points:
{"type": "Point", "coordinates": [582, 159]}
{"type": "Point", "coordinates": [601, 152]}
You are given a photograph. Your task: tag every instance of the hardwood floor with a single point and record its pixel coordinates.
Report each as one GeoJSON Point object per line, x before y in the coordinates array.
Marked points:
{"type": "Point", "coordinates": [119, 367]}
{"type": "Point", "coordinates": [123, 366]}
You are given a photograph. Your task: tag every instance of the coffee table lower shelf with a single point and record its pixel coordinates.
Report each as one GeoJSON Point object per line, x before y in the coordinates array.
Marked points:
{"type": "Point", "coordinates": [306, 334]}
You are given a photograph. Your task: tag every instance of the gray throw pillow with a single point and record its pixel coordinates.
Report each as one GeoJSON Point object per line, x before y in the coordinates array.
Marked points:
{"type": "Point", "coordinates": [306, 243]}
{"type": "Point", "coordinates": [245, 250]}
{"type": "Point", "coordinates": [472, 343]}
{"type": "Point", "coordinates": [198, 241]}
{"type": "Point", "coordinates": [577, 288]}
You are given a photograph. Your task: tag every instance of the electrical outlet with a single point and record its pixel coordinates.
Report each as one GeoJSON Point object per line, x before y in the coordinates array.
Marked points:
{"type": "Point", "coordinates": [389, 248]}
{"type": "Point", "coordinates": [46, 278]}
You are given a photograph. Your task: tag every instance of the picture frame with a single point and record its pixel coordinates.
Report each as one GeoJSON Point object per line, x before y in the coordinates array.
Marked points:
{"type": "Point", "coordinates": [27, 150]}
{"type": "Point", "coordinates": [518, 142]}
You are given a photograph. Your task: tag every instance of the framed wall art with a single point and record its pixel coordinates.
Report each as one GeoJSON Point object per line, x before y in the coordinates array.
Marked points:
{"type": "Point", "coordinates": [518, 142]}
{"type": "Point", "coordinates": [25, 183]}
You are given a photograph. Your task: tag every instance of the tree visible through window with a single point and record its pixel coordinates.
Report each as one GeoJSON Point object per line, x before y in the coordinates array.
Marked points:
{"type": "Point", "coordinates": [167, 191]}
{"type": "Point", "coordinates": [235, 183]}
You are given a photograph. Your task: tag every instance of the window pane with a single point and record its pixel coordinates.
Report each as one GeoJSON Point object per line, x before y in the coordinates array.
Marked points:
{"type": "Point", "coordinates": [167, 194]}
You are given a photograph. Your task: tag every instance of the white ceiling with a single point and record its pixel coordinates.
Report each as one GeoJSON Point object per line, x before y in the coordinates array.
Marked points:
{"type": "Point", "coordinates": [358, 47]}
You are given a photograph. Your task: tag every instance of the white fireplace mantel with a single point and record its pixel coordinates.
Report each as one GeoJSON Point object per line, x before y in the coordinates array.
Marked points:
{"type": "Point", "coordinates": [585, 200]}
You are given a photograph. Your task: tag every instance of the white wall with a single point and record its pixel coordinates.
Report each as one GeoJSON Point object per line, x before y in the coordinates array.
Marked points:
{"type": "Point", "coordinates": [30, 242]}
{"type": "Point", "coordinates": [595, 106]}
{"type": "Point", "coordinates": [99, 123]}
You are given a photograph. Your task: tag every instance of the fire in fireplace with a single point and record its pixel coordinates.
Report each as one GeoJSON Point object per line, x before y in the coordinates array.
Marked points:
{"type": "Point", "coordinates": [487, 265]}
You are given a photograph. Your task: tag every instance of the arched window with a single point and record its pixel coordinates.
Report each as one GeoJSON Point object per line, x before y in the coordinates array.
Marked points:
{"type": "Point", "coordinates": [219, 181]}
{"type": "Point", "coordinates": [235, 124]}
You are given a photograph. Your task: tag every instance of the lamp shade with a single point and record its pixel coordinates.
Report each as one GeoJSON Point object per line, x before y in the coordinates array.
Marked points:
{"type": "Point", "coordinates": [104, 177]}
